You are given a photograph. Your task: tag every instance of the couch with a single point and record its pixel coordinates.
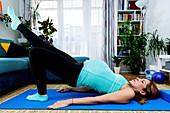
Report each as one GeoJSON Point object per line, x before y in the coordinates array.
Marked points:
{"type": "Point", "coordinates": [16, 72]}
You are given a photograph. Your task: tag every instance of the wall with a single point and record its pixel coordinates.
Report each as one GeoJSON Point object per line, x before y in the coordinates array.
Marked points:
{"type": "Point", "coordinates": [7, 32]}
{"type": "Point", "coordinates": [157, 17]}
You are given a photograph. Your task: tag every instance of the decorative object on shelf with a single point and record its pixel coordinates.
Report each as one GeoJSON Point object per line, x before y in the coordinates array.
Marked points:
{"type": "Point", "coordinates": [167, 65]}
{"type": "Point", "coordinates": [117, 60]}
{"type": "Point", "coordinates": [158, 77]}
{"type": "Point", "coordinates": [168, 46]}
{"type": "Point", "coordinates": [48, 29]}
{"type": "Point", "coordinates": [132, 5]}
{"type": "Point", "coordinates": [134, 43]}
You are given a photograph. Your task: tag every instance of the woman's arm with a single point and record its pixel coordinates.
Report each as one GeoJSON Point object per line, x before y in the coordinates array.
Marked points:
{"type": "Point", "coordinates": [77, 89]}
{"type": "Point", "coordinates": [123, 96]}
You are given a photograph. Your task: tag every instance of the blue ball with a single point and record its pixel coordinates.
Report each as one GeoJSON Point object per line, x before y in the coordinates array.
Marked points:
{"type": "Point", "coordinates": [159, 77]}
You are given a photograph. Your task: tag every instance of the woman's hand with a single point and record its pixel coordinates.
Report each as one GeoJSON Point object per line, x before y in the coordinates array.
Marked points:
{"type": "Point", "coordinates": [65, 90]}
{"type": "Point", "coordinates": [77, 89]}
{"type": "Point", "coordinates": [60, 104]}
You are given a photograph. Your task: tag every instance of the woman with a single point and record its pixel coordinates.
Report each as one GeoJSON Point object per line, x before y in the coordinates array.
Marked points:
{"type": "Point", "coordinates": [90, 76]}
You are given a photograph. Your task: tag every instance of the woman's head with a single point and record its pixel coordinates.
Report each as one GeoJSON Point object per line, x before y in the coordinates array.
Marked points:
{"type": "Point", "coordinates": [144, 90]}
{"type": "Point", "coordinates": [139, 84]}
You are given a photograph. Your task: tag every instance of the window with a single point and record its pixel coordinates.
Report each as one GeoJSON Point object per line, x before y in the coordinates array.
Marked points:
{"type": "Point", "coordinates": [79, 25]}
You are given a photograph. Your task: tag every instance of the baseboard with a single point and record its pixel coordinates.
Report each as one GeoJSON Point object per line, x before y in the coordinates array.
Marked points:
{"type": "Point", "coordinates": [125, 71]}
{"type": "Point", "coordinates": [141, 72]}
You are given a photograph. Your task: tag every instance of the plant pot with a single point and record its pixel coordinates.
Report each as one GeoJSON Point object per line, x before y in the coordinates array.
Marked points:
{"type": "Point", "coordinates": [152, 67]}
{"type": "Point", "coordinates": [117, 70]}
{"type": "Point", "coordinates": [135, 70]}
{"type": "Point", "coordinates": [168, 49]}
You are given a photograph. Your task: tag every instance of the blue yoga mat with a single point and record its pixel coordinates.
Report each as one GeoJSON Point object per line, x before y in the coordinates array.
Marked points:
{"type": "Point", "coordinates": [20, 102]}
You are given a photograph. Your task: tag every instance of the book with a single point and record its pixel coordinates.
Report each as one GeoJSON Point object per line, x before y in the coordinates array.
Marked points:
{"type": "Point", "coordinates": [122, 4]}
{"type": "Point", "coordinates": [119, 4]}
{"type": "Point", "coordinates": [130, 17]}
{"type": "Point", "coordinates": [123, 1]}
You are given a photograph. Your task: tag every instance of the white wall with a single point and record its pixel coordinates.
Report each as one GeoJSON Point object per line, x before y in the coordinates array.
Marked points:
{"type": "Point", "coordinates": [7, 32]}
{"type": "Point", "coordinates": [157, 17]}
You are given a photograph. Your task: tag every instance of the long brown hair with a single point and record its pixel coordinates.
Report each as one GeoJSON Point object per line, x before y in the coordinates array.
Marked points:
{"type": "Point", "coordinates": [152, 92]}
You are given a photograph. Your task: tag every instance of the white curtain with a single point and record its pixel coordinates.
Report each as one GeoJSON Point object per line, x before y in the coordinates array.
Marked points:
{"type": "Point", "coordinates": [79, 24]}
{"type": "Point", "coordinates": [24, 6]}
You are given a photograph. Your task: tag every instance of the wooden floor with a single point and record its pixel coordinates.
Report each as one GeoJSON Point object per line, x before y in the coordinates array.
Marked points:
{"type": "Point", "coordinates": [165, 85]}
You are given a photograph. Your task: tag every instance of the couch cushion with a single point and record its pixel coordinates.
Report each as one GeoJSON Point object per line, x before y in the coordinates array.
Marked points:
{"type": "Point", "coordinates": [16, 64]}
{"type": "Point", "coordinates": [78, 59]}
{"type": "Point", "coordinates": [12, 64]}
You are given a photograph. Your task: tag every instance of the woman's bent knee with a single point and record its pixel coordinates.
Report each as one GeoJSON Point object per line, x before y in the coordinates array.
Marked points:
{"type": "Point", "coordinates": [35, 51]}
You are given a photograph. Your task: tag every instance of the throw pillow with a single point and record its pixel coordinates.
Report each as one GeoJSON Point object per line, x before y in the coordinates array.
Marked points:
{"type": "Point", "coordinates": [5, 46]}
{"type": "Point", "coordinates": [2, 51]}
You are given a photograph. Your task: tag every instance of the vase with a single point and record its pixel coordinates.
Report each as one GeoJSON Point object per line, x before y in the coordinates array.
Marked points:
{"type": "Point", "coordinates": [117, 70]}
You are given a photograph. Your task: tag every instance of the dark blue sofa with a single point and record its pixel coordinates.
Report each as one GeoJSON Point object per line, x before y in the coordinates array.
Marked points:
{"type": "Point", "coordinates": [16, 72]}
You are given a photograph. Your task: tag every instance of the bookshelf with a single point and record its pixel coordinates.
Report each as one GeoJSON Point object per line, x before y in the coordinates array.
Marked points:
{"type": "Point", "coordinates": [126, 10]}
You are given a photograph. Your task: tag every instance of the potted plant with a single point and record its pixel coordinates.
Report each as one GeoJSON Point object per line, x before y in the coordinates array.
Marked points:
{"type": "Point", "coordinates": [34, 14]}
{"type": "Point", "coordinates": [48, 29]}
{"type": "Point", "coordinates": [31, 22]}
{"type": "Point", "coordinates": [133, 41]}
{"type": "Point", "coordinates": [27, 23]}
{"type": "Point", "coordinates": [168, 46]}
{"type": "Point", "coordinates": [156, 46]}
{"type": "Point", "coordinates": [6, 19]}
{"type": "Point", "coordinates": [117, 60]}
